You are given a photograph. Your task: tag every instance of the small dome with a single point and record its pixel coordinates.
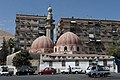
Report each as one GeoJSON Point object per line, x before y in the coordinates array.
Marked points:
{"type": "Point", "coordinates": [68, 38]}
{"type": "Point", "coordinates": [42, 42]}
{"type": "Point", "coordinates": [49, 9]}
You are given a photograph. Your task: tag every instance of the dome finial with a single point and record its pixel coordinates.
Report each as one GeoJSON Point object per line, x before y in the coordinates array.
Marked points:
{"type": "Point", "coordinates": [49, 8]}
{"type": "Point", "coordinates": [49, 5]}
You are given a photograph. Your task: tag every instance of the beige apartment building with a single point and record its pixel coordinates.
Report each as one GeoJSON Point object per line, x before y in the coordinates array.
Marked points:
{"type": "Point", "coordinates": [30, 27]}
{"type": "Point", "coordinates": [96, 35]}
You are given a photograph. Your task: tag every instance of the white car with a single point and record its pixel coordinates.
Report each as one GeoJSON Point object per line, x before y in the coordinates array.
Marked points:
{"type": "Point", "coordinates": [64, 70]}
{"type": "Point", "coordinates": [75, 70]}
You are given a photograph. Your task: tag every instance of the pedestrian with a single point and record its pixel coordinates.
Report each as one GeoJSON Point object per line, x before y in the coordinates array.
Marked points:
{"type": "Point", "coordinates": [70, 69]}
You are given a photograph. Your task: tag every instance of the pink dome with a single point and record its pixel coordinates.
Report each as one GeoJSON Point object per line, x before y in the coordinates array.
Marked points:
{"type": "Point", "coordinates": [68, 38]}
{"type": "Point", "coordinates": [42, 42]}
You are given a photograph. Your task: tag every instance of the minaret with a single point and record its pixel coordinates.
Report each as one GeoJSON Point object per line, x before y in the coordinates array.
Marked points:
{"type": "Point", "coordinates": [50, 26]}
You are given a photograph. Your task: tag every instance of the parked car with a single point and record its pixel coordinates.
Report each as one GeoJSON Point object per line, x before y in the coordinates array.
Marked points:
{"type": "Point", "coordinates": [97, 71]}
{"type": "Point", "coordinates": [25, 70]}
{"type": "Point", "coordinates": [47, 70]}
{"type": "Point", "coordinates": [4, 71]}
{"type": "Point", "coordinates": [75, 70]}
{"type": "Point", "coordinates": [64, 70]}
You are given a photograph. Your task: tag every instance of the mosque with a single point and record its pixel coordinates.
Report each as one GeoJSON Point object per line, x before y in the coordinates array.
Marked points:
{"type": "Point", "coordinates": [66, 51]}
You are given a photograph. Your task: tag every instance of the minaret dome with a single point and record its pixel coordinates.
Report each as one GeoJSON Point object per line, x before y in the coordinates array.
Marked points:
{"type": "Point", "coordinates": [50, 9]}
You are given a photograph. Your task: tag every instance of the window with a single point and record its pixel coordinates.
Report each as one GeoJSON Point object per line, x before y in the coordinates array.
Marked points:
{"type": "Point", "coordinates": [93, 68]}
{"type": "Point", "coordinates": [76, 63]}
{"type": "Point", "coordinates": [28, 39]}
{"type": "Point", "coordinates": [90, 62]}
{"type": "Point", "coordinates": [4, 69]}
{"type": "Point", "coordinates": [98, 49]}
{"type": "Point", "coordinates": [55, 49]}
{"type": "Point", "coordinates": [105, 62]}
{"type": "Point", "coordinates": [73, 22]}
{"type": "Point", "coordinates": [59, 49]}
{"type": "Point", "coordinates": [50, 63]}
{"type": "Point", "coordinates": [97, 29]}
{"type": "Point", "coordinates": [65, 48]}
{"type": "Point", "coordinates": [90, 22]}
{"type": "Point", "coordinates": [63, 63]}
{"type": "Point", "coordinates": [114, 29]}
{"type": "Point", "coordinates": [28, 26]}
{"type": "Point", "coordinates": [97, 24]}
{"type": "Point", "coordinates": [77, 48]}
{"type": "Point", "coordinates": [21, 38]}
{"type": "Point", "coordinates": [35, 26]}
{"type": "Point", "coordinates": [35, 20]}
{"type": "Point", "coordinates": [71, 48]}
{"type": "Point", "coordinates": [114, 43]}
{"type": "Point", "coordinates": [41, 21]}
{"type": "Point", "coordinates": [28, 19]}
{"type": "Point", "coordinates": [91, 35]}
{"type": "Point", "coordinates": [22, 26]}
{"type": "Point", "coordinates": [72, 29]}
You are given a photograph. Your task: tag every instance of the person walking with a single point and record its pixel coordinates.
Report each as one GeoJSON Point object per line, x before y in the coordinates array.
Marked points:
{"type": "Point", "coordinates": [70, 70]}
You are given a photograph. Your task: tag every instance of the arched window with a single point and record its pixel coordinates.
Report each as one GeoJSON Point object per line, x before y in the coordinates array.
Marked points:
{"type": "Point", "coordinates": [59, 49]}
{"type": "Point", "coordinates": [76, 63]}
{"type": "Point", "coordinates": [78, 49]}
{"type": "Point", "coordinates": [63, 63]}
{"type": "Point", "coordinates": [65, 48]}
{"type": "Point", "coordinates": [55, 49]}
{"type": "Point", "coordinates": [72, 48]}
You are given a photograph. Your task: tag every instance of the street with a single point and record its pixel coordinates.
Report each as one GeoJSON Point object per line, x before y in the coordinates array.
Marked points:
{"type": "Point", "coordinates": [113, 76]}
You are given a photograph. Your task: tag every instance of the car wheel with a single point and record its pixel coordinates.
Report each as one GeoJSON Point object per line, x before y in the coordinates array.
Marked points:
{"type": "Point", "coordinates": [93, 75]}
{"type": "Point", "coordinates": [89, 75]}
{"type": "Point", "coordinates": [40, 73]}
{"type": "Point", "coordinates": [52, 73]}
{"type": "Point", "coordinates": [105, 75]}
{"type": "Point", "coordinates": [98, 75]}
{"type": "Point", "coordinates": [28, 73]}
{"type": "Point", "coordinates": [11, 74]}
{"type": "Point", "coordinates": [63, 72]}
{"type": "Point", "coordinates": [76, 72]}
{"type": "Point", "coordinates": [17, 73]}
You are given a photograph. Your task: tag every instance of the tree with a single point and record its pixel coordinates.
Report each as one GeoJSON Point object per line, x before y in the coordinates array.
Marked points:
{"type": "Point", "coordinates": [22, 59]}
{"type": "Point", "coordinates": [11, 45]}
{"type": "Point", "coordinates": [114, 51]}
{"type": "Point", "coordinates": [4, 52]}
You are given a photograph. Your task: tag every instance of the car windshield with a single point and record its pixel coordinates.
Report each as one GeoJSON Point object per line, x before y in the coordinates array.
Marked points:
{"type": "Point", "coordinates": [89, 68]}
{"type": "Point", "coordinates": [46, 69]}
{"type": "Point", "coordinates": [4, 69]}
